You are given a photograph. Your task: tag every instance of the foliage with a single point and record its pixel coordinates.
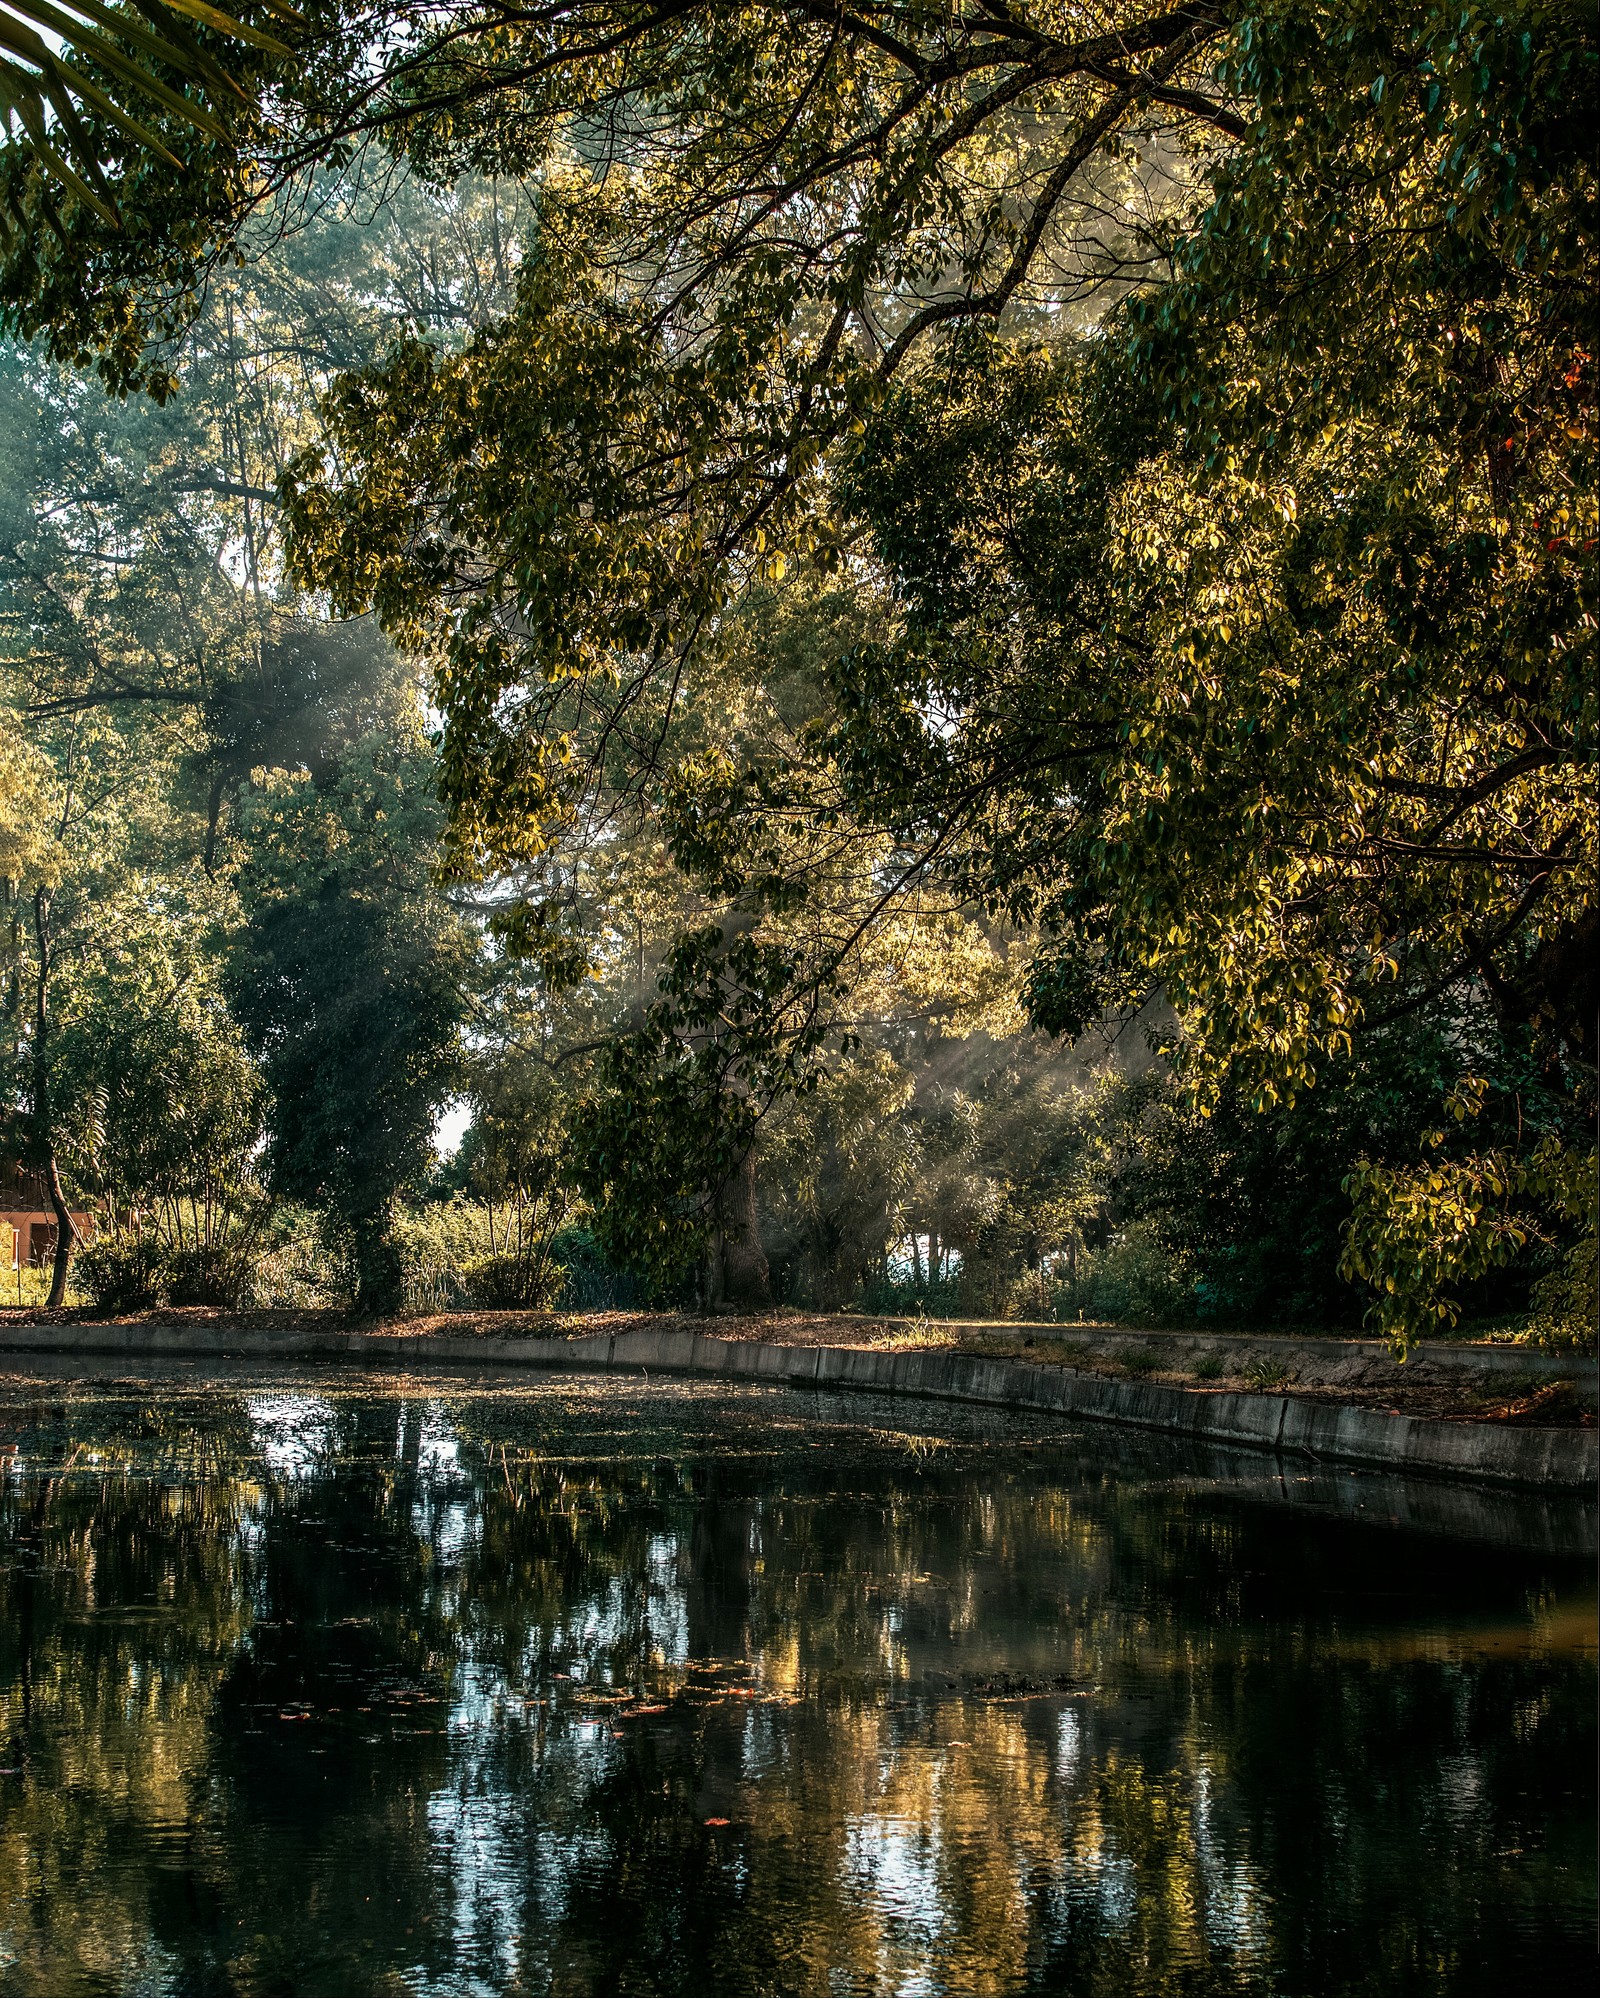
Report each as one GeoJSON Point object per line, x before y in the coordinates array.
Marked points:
{"type": "Point", "coordinates": [927, 490]}
{"type": "Point", "coordinates": [1564, 1298]}
{"type": "Point", "coordinates": [123, 1272]}
{"type": "Point", "coordinates": [52, 87]}
{"type": "Point", "coordinates": [130, 1268]}
{"type": "Point", "coordinates": [158, 668]}
{"type": "Point", "coordinates": [1418, 1232]}
{"type": "Point", "coordinates": [590, 1282]}
{"type": "Point", "coordinates": [837, 1167]}
{"type": "Point", "coordinates": [1135, 1279]}
{"type": "Point", "coordinates": [457, 1254]}
{"type": "Point", "coordinates": [346, 976]}
{"type": "Point", "coordinates": [1233, 648]}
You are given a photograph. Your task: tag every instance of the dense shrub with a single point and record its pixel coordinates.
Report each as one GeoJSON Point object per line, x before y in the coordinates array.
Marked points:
{"type": "Point", "coordinates": [1136, 1279]}
{"type": "Point", "coordinates": [1563, 1314]}
{"type": "Point", "coordinates": [453, 1260]}
{"type": "Point", "coordinates": [216, 1273]}
{"type": "Point", "coordinates": [888, 1297]}
{"type": "Point", "coordinates": [515, 1283]}
{"type": "Point", "coordinates": [122, 1272]}
{"type": "Point", "coordinates": [439, 1243]}
{"type": "Point", "coordinates": [284, 1264]}
{"type": "Point", "coordinates": [590, 1281]}
{"type": "Point", "coordinates": [1032, 1297]}
{"type": "Point", "coordinates": [296, 1267]}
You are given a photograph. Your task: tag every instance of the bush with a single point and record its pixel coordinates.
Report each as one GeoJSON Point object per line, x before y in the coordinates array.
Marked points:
{"type": "Point", "coordinates": [515, 1283]}
{"type": "Point", "coordinates": [439, 1244]}
{"type": "Point", "coordinates": [218, 1273]}
{"type": "Point", "coordinates": [590, 1281]}
{"type": "Point", "coordinates": [1134, 1280]}
{"type": "Point", "coordinates": [885, 1298]}
{"type": "Point", "coordinates": [1564, 1301]}
{"type": "Point", "coordinates": [122, 1272]}
{"type": "Point", "coordinates": [1031, 1298]}
{"type": "Point", "coordinates": [1267, 1374]}
{"type": "Point", "coordinates": [296, 1266]}
{"type": "Point", "coordinates": [286, 1266]}
{"type": "Point", "coordinates": [447, 1264]}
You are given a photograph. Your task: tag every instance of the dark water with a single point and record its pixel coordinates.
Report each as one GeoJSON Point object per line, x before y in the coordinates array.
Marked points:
{"type": "Point", "coordinates": [319, 1685]}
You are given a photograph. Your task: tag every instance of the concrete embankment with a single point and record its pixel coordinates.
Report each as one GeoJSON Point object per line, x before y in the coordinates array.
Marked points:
{"type": "Point", "coordinates": [1495, 1453]}
{"type": "Point", "coordinates": [1313, 1361]}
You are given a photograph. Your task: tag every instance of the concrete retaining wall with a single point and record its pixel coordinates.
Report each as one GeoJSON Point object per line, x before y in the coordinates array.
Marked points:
{"type": "Point", "coordinates": [1310, 1359]}
{"type": "Point", "coordinates": [1490, 1452]}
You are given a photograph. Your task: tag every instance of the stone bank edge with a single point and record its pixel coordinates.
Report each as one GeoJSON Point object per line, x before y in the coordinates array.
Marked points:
{"type": "Point", "coordinates": [1482, 1452]}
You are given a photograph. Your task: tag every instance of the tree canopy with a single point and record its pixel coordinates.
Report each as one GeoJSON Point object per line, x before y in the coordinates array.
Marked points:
{"type": "Point", "coordinates": [1198, 407]}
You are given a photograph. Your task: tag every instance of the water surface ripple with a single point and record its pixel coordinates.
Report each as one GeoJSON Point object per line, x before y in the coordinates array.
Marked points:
{"type": "Point", "coordinates": [318, 1683]}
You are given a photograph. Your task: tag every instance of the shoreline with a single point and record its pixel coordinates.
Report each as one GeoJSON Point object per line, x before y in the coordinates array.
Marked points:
{"type": "Point", "coordinates": [1297, 1425]}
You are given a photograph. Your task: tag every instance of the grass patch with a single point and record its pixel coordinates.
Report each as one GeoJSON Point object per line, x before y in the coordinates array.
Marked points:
{"type": "Point", "coordinates": [925, 1337]}
{"type": "Point", "coordinates": [1208, 1367]}
{"type": "Point", "coordinates": [1267, 1374]}
{"type": "Point", "coordinates": [1139, 1360]}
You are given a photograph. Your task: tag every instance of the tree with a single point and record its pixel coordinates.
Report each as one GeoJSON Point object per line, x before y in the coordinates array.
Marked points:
{"type": "Point", "coordinates": [1314, 630]}
{"type": "Point", "coordinates": [347, 973]}
{"type": "Point", "coordinates": [1234, 648]}
{"type": "Point", "coordinates": [159, 661]}
{"type": "Point", "coordinates": [1208, 401]}
{"type": "Point", "coordinates": [884, 146]}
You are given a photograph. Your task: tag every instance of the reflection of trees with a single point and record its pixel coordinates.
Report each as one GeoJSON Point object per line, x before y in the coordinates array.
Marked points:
{"type": "Point", "coordinates": [122, 1601]}
{"type": "Point", "coordinates": [436, 1694]}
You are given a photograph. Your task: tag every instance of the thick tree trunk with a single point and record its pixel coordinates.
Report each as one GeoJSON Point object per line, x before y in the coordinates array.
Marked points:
{"type": "Point", "coordinates": [42, 1137]}
{"type": "Point", "coordinates": [746, 1278]}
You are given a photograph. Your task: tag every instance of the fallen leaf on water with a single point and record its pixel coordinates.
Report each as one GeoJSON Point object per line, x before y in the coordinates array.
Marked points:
{"type": "Point", "coordinates": [718, 1821]}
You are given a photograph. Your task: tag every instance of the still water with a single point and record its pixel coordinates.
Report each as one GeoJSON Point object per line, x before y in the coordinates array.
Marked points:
{"type": "Point", "coordinates": [321, 1684]}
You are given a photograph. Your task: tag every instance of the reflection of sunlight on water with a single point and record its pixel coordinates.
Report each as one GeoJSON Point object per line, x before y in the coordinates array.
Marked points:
{"type": "Point", "coordinates": [666, 1614]}
{"type": "Point", "coordinates": [896, 1862]}
{"type": "Point", "coordinates": [1233, 1908]}
{"type": "Point", "coordinates": [651, 1614]}
{"type": "Point", "coordinates": [502, 1861]}
{"type": "Point", "coordinates": [453, 1528]}
{"type": "Point", "coordinates": [1460, 1790]}
{"type": "Point", "coordinates": [293, 1432]}
{"type": "Point", "coordinates": [475, 1847]}
{"type": "Point", "coordinates": [1069, 1743]}
{"type": "Point", "coordinates": [894, 1746]}
{"type": "Point", "coordinates": [444, 1512]}
{"type": "Point", "coordinates": [1236, 1911]}
{"type": "Point", "coordinates": [438, 1450]}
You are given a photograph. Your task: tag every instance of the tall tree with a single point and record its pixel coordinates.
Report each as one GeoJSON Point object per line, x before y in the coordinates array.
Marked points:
{"type": "Point", "coordinates": [348, 972]}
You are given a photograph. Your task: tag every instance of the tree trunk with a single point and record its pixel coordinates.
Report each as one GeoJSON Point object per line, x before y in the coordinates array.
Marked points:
{"type": "Point", "coordinates": [42, 1136]}
{"type": "Point", "coordinates": [746, 1278]}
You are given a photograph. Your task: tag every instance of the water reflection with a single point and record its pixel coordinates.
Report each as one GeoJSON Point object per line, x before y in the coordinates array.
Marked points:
{"type": "Point", "coordinates": [311, 1685]}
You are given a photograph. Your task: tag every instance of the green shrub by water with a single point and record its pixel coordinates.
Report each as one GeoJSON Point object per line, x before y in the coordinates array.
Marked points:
{"type": "Point", "coordinates": [121, 1273]}
{"type": "Point", "coordinates": [1134, 1280]}
{"type": "Point", "coordinates": [284, 1263]}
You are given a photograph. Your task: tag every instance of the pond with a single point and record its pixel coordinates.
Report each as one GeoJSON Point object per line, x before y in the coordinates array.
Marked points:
{"type": "Point", "coordinates": [320, 1683]}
